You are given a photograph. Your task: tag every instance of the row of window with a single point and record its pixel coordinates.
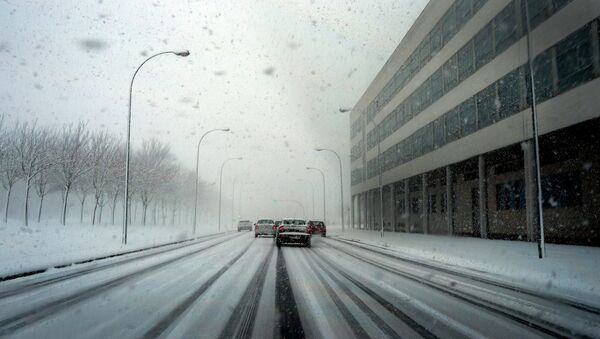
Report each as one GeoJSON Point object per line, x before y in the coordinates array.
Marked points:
{"type": "Point", "coordinates": [455, 17]}
{"type": "Point", "coordinates": [558, 191]}
{"type": "Point", "coordinates": [505, 97]}
{"type": "Point", "coordinates": [356, 176]}
{"type": "Point", "coordinates": [506, 28]}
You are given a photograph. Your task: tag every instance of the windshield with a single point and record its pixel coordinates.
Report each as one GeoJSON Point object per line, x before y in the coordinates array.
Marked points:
{"type": "Point", "coordinates": [300, 169]}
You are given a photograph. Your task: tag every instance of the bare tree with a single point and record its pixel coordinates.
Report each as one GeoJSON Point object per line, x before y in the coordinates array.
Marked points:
{"type": "Point", "coordinates": [82, 188]}
{"type": "Point", "coordinates": [42, 188]}
{"type": "Point", "coordinates": [153, 167]}
{"type": "Point", "coordinates": [72, 155]}
{"type": "Point", "coordinates": [8, 167]}
{"type": "Point", "coordinates": [103, 151]}
{"type": "Point", "coordinates": [31, 146]}
{"type": "Point", "coordinates": [114, 186]}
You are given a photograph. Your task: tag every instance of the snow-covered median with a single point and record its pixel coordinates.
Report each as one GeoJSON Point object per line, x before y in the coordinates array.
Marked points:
{"type": "Point", "coordinates": [24, 249]}
{"type": "Point", "coordinates": [568, 271]}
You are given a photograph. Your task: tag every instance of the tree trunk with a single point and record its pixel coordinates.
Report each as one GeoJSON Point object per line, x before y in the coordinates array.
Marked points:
{"type": "Point", "coordinates": [94, 213]}
{"type": "Point", "coordinates": [8, 192]}
{"type": "Point", "coordinates": [65, 202]}
{"type": "Point", "coordinates": [114, 206]}
{"type": "Point", "coordinates": [144, 209]}
{"type": "Point", "coordinates": [100, 214]}
{"type": "Point", "coordinates": [81, 211]}
{"type": "Point", "coordinates": [40, 209]}
{"type": "Point", "coordinates": [26, 212]}
{"type": "Point", "coordinates": [154, 213]}
{"type": "Point", "coordinates": [173, 218]}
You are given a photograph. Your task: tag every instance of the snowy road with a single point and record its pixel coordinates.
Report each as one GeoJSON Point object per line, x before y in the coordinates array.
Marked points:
{"type": "Point", "coordinates": [234, 285]}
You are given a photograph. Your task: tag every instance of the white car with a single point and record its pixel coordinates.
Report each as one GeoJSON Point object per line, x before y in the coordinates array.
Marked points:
{"type": "Point", "coordinates": [264, 227]}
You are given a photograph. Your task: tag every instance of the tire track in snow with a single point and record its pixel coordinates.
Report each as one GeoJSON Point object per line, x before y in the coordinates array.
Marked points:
{"type": "Point", "coordinates": [165, 323]}
{"type": "Point", "coordinates": [288, 325]}
{"type": "Point", "coordinates": [15, 322]}
{"type": "Point", "coordinates": [241, 321]}
{"type": "Point", "coordinates": [421, 330]}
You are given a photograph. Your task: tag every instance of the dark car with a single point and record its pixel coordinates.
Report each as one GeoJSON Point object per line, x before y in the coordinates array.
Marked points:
{"type": "Point", "coordinates": [292, 231]}
{"type": "Point", "coordinates": [317, 227]}
{"type": "Point", "coordinates": [244, 225]}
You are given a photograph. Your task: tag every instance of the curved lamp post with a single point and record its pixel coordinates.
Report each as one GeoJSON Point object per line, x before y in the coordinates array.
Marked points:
{"type": "Point", "coordinates": [323, 177]}
{"type": "Point", "coordinates": [341, 179]}
{"type": "Point", "coordinates": [221, 186]}
{"type": "Point", "coordinates": [183, 53]}
{"type": "Point", "coordinates": [197, 165]}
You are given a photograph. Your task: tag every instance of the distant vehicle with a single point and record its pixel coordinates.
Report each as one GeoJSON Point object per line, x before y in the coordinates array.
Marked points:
{"type": "Point", "coordinates": [244, 225]}
{"type": "Point", "coordinates": [264, 227]}
{"type": "Point", "coordinates": [317, 227]}
{"type": "Point", "coordinates": [292, 231]}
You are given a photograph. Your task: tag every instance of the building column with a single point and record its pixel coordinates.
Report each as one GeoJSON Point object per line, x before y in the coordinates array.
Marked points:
{"type": "Point", "coordinates": [352, 199]}
{"type": "Point", "coordinates": [449, 201]}
{"type": "Point", "coordinates": [595, 48]}
{"type": "Point", "coordinates": [425, 204]}
{"type": "Point", "coordinates": [406, 206]}
{"type": "Point", "coordinates": [483, 197]}
{"type": "Point", "coordinates": [392, 208]}
{"type": "Point", "coordinates": [530, 189]}
{"type": "Point", "coordinates": [360, 207]}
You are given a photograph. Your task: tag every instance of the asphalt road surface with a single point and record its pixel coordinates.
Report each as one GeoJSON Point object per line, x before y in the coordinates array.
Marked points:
{"type": "Point", "coordinates": [235, 286]}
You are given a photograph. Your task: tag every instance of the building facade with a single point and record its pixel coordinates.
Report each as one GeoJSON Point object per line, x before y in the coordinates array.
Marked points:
{"type": "Point", "coordinates": [446, 126]}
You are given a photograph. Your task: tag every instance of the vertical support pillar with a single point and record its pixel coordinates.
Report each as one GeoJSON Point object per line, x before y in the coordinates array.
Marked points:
{"type": "Point", "coordinates": [595, 47]}
{"type": "Point", "coordinates": [392, 208]}
{"type": "Point", "coordinates": [406, 206]}
{"type": "Point", "coordinates": [424, 204]}
{"type": "Point", "coordinates": [530, 190]}
{"type": "Point", "coordinates": [449, 201]}
{"type": "Point", "coordinates": [359, 209]}
{"type": "Point", "coordinates": [483, 197]}
{"type": "Point", "coordinates": [353, 201]}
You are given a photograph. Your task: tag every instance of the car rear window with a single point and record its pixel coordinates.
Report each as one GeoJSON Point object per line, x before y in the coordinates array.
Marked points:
{"type": "Point", "coordinates": [265, 221]}
{"type": "Point", "coordinates": [294, 222]}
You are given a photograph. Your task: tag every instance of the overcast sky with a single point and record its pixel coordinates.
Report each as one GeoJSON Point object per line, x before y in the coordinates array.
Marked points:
{"type": "Point", "coordinates": [275, 72]}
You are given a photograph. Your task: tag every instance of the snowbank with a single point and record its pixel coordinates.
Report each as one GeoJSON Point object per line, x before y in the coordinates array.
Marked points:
{"type": "Point", "coordinates": [568, 271]}
{"type": "Point", "coordinates": [39, 246]}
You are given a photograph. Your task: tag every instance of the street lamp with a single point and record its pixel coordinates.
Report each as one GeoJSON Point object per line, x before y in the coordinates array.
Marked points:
{"type": "Point", "coordinates": [183, 53]}
{"type": "Point", "coordinates": [341, 179]}
{"type": "Point", "coordinates": [233, 199]}
{"type": "Point", "coordinates": [323, 177]}
{"type": "Point", "coordinates": [197, 165]}
{"type": "Point", "coordinates": [294, 201]}
{"type": "Point", "coordinates": [221, 186]}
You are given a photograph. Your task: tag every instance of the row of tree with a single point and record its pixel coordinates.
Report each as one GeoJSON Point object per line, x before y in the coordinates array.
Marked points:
{"type": "Point", "coordinates": [74, 159]}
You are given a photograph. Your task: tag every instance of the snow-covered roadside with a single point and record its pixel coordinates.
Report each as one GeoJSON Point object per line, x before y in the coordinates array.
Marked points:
{"type": "Point", "coordinates": [24, 249]}
{"type": "Point", "coordinates": [570, 271]}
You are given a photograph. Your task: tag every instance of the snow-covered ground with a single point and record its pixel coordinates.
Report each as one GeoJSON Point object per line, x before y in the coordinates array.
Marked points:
{"type": "Point", "coordinates": [44, 245]}
{"type": "Point", "coordinates": [571, 271]}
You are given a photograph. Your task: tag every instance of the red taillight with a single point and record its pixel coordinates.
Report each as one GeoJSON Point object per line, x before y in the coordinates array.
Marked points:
{"type": "Point", "coordinates": [256, 226]}
{"type": "Point", "coordinates": [281, 228]}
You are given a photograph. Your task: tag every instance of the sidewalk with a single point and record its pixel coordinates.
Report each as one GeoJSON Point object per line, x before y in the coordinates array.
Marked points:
{"type": "Point", "coordinates": [44, 245]}
{"type": "Point", "coordinates": [568, 271]}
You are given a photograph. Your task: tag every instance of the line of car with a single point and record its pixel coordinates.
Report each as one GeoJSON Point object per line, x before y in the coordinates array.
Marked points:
{"type": "Point", "coordinates": [286, 231]}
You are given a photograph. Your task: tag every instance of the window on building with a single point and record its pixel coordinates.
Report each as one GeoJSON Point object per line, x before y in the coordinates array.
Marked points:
{"type": "Point", "coordinates": [486, 106]}
{"type": "Point", "coordinates": [415, 103]}
{"type": "Point", "coordinates": [425, 94]}
{"type": "Point", "coordinates": [509, 94]}
{"type": "Point", "coordinates": [538, 10]}
{"type": "Point", "coordinates": [561, 190]}
{"type": "Point", "coordinates": [463, 11]}
{"type": "Point", "coordinates": [450, 70]}
{"type": "Point", "coordinates": [510, 195]}
{"type": "Point", "coordinates": [448, 25]}
{"type": "Point", "coordinates": [484, 48]}
{"type": "Point", "coordinates": [505, 28]}
{"type": "Point", "coordinates": [417, 147]}
{"type": "Point", "coordinates": [411, 65]}
{"type": "Point", "coordinates": [452, 125]}
{"type": "Point", "coordinates": [466, 63]}
{"type": "Point", "coordinates": [437, 85]}
{"type": "Point", "coordinates": [415, 206]}
{"type": "Point", "coordinates": [432, 206]}
{"type": "Point", "coordinates": [425, 51]}
{"type": "Point", "coordinates": [436, 39]}
{"type": "Point", "coordinates": [427, 138]}
{"type": "Point", "coordinates": [544, 80]}
{"type": "Point", "coordinates": [468, 117]}
{"type": "Point", "coordinates": [574, 59]}
{"type": "Point", "coordinates": [477, 4]}
{"type": "Point", "coordinates": [439, 134]}
{"type": "Point", "coordinates": [443, 202]}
